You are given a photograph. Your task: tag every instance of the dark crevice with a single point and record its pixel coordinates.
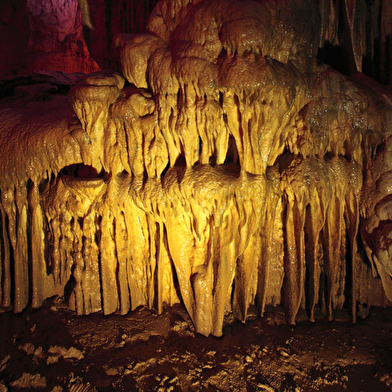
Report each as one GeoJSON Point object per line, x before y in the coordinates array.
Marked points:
{"type": "Point", "coordinates": [349, 286]}
{"type": "Point", "coordinates": [232, 156]}
{"type": "Point", "coordinates": [79, 170]}
{"type": "Point", "coordinates": [165, 170]}
{"type": "Point", "coordinates": [221, 101]}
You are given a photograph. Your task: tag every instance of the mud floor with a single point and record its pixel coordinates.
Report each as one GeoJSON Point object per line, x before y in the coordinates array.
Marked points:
{"type": "Point", "coordinates": [53, 349]}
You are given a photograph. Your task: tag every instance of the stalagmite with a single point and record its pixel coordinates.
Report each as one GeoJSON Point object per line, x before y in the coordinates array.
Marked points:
{"type": "Point", "coordinates": [225, 169]}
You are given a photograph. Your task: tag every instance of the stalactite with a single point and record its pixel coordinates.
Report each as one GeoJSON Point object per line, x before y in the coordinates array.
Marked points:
{"type": "Point", "coordinates": [5, 260]}
{"type": "Point", "coordinates": [42, 284]}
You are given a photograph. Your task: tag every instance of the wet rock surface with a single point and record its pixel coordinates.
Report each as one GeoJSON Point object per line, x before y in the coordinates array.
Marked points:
{"type": "Point", "coordinates": [53, 349]}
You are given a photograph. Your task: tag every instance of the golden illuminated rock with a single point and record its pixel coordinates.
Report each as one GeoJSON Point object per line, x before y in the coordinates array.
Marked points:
{"type": "Point", "coordinates": [226, 169]}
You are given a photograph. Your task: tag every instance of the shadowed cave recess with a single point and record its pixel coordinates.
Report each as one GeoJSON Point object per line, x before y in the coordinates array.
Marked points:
{"type": "Point", "coordinates": [225, 168]}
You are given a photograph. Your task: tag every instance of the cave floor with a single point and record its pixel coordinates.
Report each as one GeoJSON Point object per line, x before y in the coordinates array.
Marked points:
{"type": "Point", "coordinates": [53, 349]}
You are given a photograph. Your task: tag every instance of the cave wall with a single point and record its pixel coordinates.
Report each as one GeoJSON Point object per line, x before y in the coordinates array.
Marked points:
{"type": "Point", "coordinates": [358, 37]}
{"type": "Point", "coordinates": [47, 34]}
{"type": "Point", "coordinates": [109, 18]}
{"type": "Point", "coordinates": [358, 33]}
{"type": "Point", "coordinates": [41, 35]}
{"type": "Point", "coordinates": [56, 38]}
{"type": "Point", "coordinates": [14, 36]}
{"type": "Point", "coordinates": [225, 168]}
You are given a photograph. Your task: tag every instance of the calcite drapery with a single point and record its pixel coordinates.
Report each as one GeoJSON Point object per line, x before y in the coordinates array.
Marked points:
{"type": "Point", "coordinates": [225, 169]}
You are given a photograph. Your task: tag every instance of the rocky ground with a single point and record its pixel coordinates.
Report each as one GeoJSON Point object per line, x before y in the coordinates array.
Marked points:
{"type": "Point", "coordinates": [53, 349]}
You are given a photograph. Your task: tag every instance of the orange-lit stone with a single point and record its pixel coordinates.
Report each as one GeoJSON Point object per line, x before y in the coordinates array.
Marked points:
{"type": "Point", "coordinates": [226, 169]}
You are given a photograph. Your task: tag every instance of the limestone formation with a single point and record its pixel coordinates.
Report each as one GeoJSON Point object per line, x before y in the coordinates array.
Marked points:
{"type": "Point", "coordinates": [56, 39]}
{"type": "Point", "coordinates": [226, 168]}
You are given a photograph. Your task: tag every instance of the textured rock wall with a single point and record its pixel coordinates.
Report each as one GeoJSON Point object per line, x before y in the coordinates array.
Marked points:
{"type": "Point", "coordinates": [359, 32]}
{"type": "Point", "coordinates": [225, 169]}
{"type": "Point", "coordinates": [42, 35]}
{"type": "Point", "coordinates": [109, 18]}
{"type": "Point", "coordinates": [56, 38]}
